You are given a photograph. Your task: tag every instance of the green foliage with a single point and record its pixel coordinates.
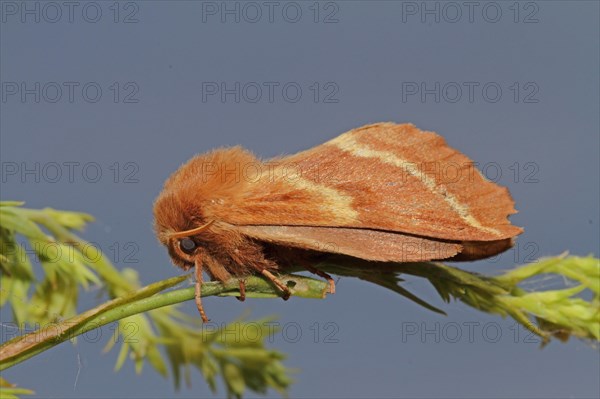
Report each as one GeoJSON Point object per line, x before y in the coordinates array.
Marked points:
{"type": "Point", "coordinates": [560, 312]}
{"type": "Point", "coordinates": [557, 313]}
{"type": "Point", "coordinates": [237, 359]}
{"type": "Point", "coordinates": [11, 391]}
{"type": "Point", "coordinates": [65, 269]}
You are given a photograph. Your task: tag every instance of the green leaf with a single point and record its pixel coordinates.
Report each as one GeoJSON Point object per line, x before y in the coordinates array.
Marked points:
{"type": "Point", "coordinates": [235, 381]}
{"type": "Point", "coordinates": [10, 391]}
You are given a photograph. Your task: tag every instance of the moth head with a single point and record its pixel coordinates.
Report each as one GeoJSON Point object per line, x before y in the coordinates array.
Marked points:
{"type": "Point", "coordinates": [187, 196]}
{"type": "Point", "coordinates": [186, 247]}
{"type": "Point", "coordinates": [180, 226]}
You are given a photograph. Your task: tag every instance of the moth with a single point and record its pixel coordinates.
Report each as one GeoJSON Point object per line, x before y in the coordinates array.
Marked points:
{"type": "Point", "coordinates": [383, 192]}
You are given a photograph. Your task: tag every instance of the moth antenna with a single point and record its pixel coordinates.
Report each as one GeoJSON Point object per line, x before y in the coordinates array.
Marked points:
{"type": "Point", "coordinates": [194, 231]}
{"type": "Point", "coordinates": [198, 289]}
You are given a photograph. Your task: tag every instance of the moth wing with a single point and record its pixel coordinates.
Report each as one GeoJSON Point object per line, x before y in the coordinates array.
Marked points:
{"type": "Point", "coordinates": [360, 243]}
{"type": "Point", "coordinates": [385, 176]}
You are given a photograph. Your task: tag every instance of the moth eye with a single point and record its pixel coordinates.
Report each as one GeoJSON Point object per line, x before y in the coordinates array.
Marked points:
{"type": "Point", "coordinates": [187, 245]}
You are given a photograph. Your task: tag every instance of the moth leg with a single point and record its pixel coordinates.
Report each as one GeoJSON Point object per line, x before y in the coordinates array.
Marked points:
{"type": "Point", "coordinates": [278, 283]}
{"type": "Point", "coordinates": [321, 273]}
{"type": "Point", "coordinates": [198, 290]}
{"type": "Point", "coordinates": [242, 296]}
{"type": "Point", "coordinates": [220, 273]}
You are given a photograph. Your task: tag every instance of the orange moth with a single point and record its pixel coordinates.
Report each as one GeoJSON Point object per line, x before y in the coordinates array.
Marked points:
{"type": "Point", "coordinates": [382, 192]}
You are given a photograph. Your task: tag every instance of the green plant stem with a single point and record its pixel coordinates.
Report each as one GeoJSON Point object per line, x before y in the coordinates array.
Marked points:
{"type": "Point", "coordinates": [22, 348]}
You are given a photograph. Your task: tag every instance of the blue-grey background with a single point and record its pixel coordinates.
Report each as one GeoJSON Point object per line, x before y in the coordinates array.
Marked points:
{"type": "Point", "coordinates": [542, 135]}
